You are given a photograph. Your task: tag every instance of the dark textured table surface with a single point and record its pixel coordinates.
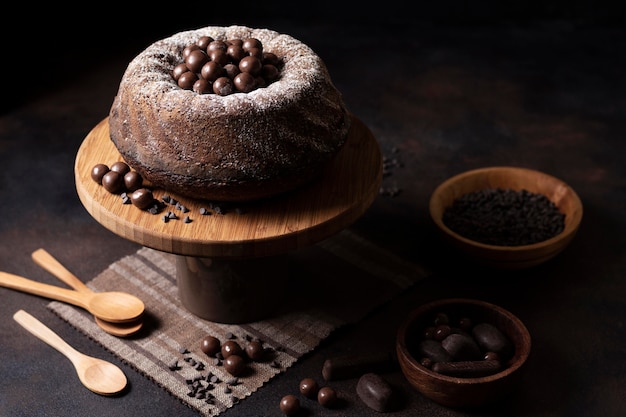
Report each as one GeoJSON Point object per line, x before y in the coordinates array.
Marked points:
{"type": "Point", "coordinates": [441, 97]}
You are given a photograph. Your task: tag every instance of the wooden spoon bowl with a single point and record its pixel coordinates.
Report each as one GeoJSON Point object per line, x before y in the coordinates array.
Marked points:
{"type": "Point", "coordinates": [112, 306]}
{"type": "Point", "coordinates": [52, 265]}
{"type": "Point", "coordinates": [96, 374]}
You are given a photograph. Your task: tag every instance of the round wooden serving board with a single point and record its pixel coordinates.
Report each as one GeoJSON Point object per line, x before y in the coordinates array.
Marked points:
{"type": "Point", "coordinates": [263, 228]}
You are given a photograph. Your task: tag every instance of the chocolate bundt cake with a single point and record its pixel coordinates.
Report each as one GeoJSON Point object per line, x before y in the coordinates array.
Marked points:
{"type": "Point", "coordinates": [204, 133]}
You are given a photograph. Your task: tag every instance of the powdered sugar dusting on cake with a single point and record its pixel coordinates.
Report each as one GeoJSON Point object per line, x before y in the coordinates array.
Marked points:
{"type": "Point", "coordinates": [208, 145]}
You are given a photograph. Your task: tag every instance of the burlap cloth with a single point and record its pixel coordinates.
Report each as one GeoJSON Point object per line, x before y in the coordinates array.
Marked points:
{"type": "Point", "coordinates": [335, 282]}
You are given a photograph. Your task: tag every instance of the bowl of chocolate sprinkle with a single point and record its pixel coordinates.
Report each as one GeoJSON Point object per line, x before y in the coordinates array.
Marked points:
{"type": "Point", "coordinates": [506, 217]}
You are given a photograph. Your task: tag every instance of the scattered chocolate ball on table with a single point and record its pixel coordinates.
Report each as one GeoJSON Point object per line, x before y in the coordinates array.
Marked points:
{"type": "Point", "coordinates": [327, 397]}
{"type": "Point", "coordinates": [290, 405]}
{"type": "Point", "coordinates": [309, 387]}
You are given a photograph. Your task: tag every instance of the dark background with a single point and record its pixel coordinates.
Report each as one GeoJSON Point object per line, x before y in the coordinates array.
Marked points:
{"type": "Point", "coordinates": [45, 45]}
{"type": "Point", "coordinates": [452, 85]}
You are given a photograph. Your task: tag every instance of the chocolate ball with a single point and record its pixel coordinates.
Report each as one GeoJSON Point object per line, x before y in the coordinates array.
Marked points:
{"type": "Point", "coordinates": [327, 397]}
{"type": "Point", "coordinates": [133, 180]}
{"type": "Point", "coordinates": [202, 86]}
{"type": "Point", "coordinates": [142, 198]}
{"type": "Point", "coordinates": [250, 64]}
{"type": "Point", "coordinates": [210, 345]}
{"type": "Point", "coordinates": [235, 365]}
{"type": "Point", "coordinates": [189, 49]}
{"type": "Point", "coordinates": [255, 350]}
{"type": "Point", "coordinates": [211, 71]}
{"type": "Point", "coordinates": [289, 405]}
{"type": "Point", "coordinates": [223, 86]}
{"type": "Point", "coordinates": [204, 41]}
{"type": "Point", "coordinates": [231, 347]}
{"type": "Point", "coordinates": [271, 59]}
{"type": "Point", "coordinates": [121, 167]}
{"type": "Point", "coordinates": [250, 43]}
{"type": "Point", "coordinates": [179, 70]}
{"type": "Point", "coordinates": [244, 82]}
{"type": "Point", "coordinates": [187, 80]}
{"type": "Point", "coordinates": [309, 387]}
{"type": "Point", "coordinates": [235, 52]}
{"type": "Point", "coordinates": [113, 181]}
{"type": "Point", "coordinates": [196, 59]}
{"type": "Point", "coordinates": [231, 70]}
{"type": "Point", "coordinates": [98, 171]}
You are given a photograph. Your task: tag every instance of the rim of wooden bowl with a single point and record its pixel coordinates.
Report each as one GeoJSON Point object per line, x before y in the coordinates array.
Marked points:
{"type": "Point", "coordinates": [411, 367]}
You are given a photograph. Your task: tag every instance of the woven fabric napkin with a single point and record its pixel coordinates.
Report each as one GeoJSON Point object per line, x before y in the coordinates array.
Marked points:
{"type": "Point", "coordinates": [335, 282]}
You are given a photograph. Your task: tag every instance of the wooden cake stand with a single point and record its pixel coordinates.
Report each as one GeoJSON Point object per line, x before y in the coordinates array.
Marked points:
{"type": "Point", "coordinates": [230, 264]}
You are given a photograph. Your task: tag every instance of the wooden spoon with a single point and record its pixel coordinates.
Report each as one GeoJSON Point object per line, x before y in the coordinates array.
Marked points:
{"type": "Point", "coordinates": [98, 375]}
{"type": "Point", "coordinates": [111, 306]}
{"type": "Point", "coordinates": [52, 265]}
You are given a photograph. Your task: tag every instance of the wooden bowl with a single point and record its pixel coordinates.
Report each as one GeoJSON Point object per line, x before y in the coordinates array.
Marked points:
{"type": "Point", "coordinates": [458, 392]}
{"type": "Point", "coordinates": [508, 257]}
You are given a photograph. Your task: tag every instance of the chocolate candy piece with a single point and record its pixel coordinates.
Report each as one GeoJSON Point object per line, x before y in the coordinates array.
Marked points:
{"type": "Point", "coordinates": [98, 171]}
{"type": "Point", "coordinates": [179, 70]}
{"type": "Point", "coordinates": [346, 367]}
{"type": "Point", "coordinates": [142, 198]}
{"type": "Point", "coordinates": [309, 387]}
{"type": "Point", "coordinates": [113, 181]}
{"type": "Point", "coordinates": [461, 347]}
{"type": "Point", "coordinates": [375, 392]}
{"type": "Point", "coordinates": [251, 65]}
{"type": "Point", "coordinates": [235, 365]}
{"type": "Point", "coordinates": [196, 59]}
{"type": "Point", "coordinates": [244, 82]}
{"type": "Point", "coordinates": [327, 397]}
{"type": "Point", "coordinates": [132, 180]}
{"type": "Point", "coordinates": [204, 41]}
{"type": "Point", "coordinates": [231, 347]}
{"type": "Point", "coordinates": [187, 80]}
{"type": "Point", "coordinates": [121, 167]}
{"type": "Point", "coordinates": [210, 345]}
{"type": "Point", "coordinates": [490, 338]}
{"type": "Point", "coordinates": [468, 369]}
{"type": "Point", "coordinates": [255, 350]}
{"type": "Point", "coordinates": [433, 350]}
{"type": "Point", "coordinates": [235, 52]}
{"type": "Point", "coordinates": [223, 86]}
{"type": "Point", "coordinates": [211, 71]}
{"type": "Point", "coordinates": [289, 405]}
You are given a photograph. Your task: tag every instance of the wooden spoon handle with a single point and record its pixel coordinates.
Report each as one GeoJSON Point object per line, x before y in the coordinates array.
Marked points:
{"type": "Point", "coordinates": [44, 333]}
{"type": "Point", "coordinates": [44, 290]}
{"type": "Point", "coordinates": [50, 264]}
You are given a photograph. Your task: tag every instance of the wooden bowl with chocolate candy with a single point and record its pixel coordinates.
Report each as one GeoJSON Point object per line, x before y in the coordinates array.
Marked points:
{"type": "Point", "coordinates": [506, 217]}
{"type": "Point", "coordinates": [462, 353]}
